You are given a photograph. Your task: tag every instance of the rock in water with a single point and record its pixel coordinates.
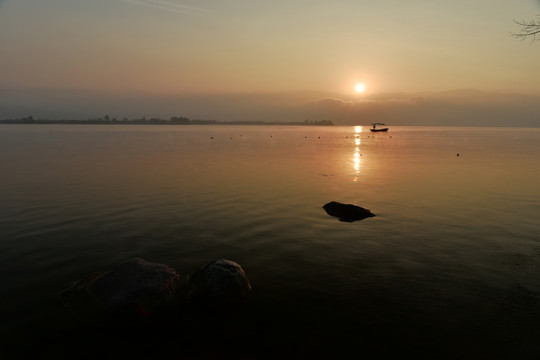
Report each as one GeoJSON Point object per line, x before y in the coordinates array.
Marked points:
{"type": "Point", "coordinates": [347, 212]}
{"type": "Point", "coordinates": [219, 286]}
{"type": "Point", "coordinates": [135, 288]}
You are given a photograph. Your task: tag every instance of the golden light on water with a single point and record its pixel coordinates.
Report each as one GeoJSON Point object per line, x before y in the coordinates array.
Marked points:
{"type": "Point", "coordinates": [357, 157]}
{"type": "Point", "coordinates": [357, 160]}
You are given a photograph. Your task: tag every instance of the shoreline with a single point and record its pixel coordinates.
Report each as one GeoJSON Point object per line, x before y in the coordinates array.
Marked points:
{"type": "Point", "coordinates": [172, 121]}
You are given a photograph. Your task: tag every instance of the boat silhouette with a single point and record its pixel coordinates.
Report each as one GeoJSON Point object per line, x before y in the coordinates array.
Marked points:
{"type": "Point", "coordinates": [374, 128]}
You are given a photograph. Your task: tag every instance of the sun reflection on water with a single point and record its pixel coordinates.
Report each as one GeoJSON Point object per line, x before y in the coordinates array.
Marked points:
{"type": "Point", "coordinates": [357, 159]}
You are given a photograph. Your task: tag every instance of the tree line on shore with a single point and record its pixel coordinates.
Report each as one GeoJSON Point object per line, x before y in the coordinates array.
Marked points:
{"type": "Point", "coordinates": [175, 120]}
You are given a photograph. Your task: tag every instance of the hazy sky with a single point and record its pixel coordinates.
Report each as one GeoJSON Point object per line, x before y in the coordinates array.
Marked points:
{"type": "Point", "coordinates": [125, 48]}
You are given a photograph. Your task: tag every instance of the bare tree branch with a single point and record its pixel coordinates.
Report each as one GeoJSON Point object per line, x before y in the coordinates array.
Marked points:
{"type": "Point", "coordinates": [529, 29]}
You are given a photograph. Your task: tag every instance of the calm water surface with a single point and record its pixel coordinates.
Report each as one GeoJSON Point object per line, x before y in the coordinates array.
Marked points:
{"type": "Point", "coordinates": [449, 267]}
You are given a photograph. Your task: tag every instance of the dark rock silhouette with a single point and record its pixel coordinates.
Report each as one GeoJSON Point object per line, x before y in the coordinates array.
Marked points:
{"type": "Point", "coordinates": [137, 290]}
{"type": "Point", "coordinates": [347, 212]}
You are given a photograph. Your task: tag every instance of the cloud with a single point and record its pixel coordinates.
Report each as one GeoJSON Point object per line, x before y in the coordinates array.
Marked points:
{"type": "Point", "coordinates": [167, 6]}
{"type": "Point", "coordinates": [333, 102]}
{"type": "Point", "coordinates": [373, 101]}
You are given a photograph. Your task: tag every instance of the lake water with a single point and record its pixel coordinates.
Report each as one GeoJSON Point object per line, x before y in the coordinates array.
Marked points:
{"type": "Point", "coordinates": [448, 268]}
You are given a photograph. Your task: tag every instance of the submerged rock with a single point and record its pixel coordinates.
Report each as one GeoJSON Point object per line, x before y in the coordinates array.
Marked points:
{"type": "Point", "coordinates": [347, 212]}
{"type": "Point", "coordinates": [219, 285]}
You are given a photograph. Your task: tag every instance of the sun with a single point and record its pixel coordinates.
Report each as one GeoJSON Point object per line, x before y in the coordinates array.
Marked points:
{"type": "Point", "coordinates": [359, 88]}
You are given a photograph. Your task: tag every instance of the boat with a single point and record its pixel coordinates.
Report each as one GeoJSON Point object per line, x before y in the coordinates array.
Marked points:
{"type": "Point", "coordinates": [374, 128]}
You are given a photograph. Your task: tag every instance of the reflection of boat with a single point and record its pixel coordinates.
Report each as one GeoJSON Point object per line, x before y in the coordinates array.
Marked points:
{"type": "Point", "coordinates": [374, 128]}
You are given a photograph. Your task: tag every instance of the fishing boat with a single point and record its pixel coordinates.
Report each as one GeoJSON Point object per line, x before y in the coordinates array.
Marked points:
{"type": "Point", "coordinates": [374, 128]}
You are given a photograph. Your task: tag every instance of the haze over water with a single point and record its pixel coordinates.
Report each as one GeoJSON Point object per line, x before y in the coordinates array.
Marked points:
{"type": "Point", "coordinates": [453, 63]}
{"type": "Point", "coordinates": [448, 268]}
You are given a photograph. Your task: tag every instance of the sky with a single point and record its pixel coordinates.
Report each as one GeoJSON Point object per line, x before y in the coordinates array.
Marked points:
{"type": "Point", "coordinates": [421, 61]}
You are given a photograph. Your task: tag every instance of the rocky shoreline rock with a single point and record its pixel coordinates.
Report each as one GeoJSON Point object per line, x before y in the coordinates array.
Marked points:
{"type": "Point", "coordinates": [221, 284]}
{"type": "Point", "coordinates": [139, 290]}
